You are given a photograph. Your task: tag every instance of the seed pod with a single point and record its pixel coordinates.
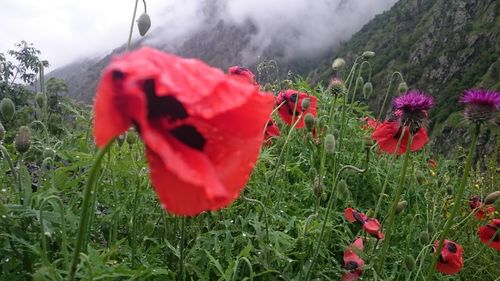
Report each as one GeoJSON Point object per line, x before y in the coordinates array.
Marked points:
{"type": "Point", "coordinates": [338, 63]}
{"type": "Point", "coordinates": [360, 82]}
{"type": "Point", "coordinates": [131, 137]}
{"type": "Point", "coordinates": [367, 90]}
{"type": "Point", "coordinates": [7, 108]}
{"type": "Point", "coordinates": [368, 54]}
{"type": "Point", "coordinates": [402, 88]}
{"type": "Point", "coordinates": [330, 144]}
{"type": "Point", "coordinates": [401, 206]}
{"type": "Point", "coordinates": [22, 141]}
{"type": "Point", "coordinates": [410, 263]}
{"type": "Point", "coordinates": [423, 238]}
{"type": "Point", "coordinates": [309, 121]}
{"type": "Point", "coordinates": [41, 100]}
{"type": "Point", "coordinates": [2, 132]}
{"type": "Point", "coordinates": [306, 103]}
{"type": "Point", "coordinates": [144, 23]}
{"type": "Point", "coordinates": [492, 197]}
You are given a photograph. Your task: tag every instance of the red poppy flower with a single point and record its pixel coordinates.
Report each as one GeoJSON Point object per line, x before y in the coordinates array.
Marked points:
{"type": "Point", "coordinates": [490, 234]}
{"type": "Point", "coordinates": [481, 209]}
{"type": "Point", "coordinates": [370, 225]}
{"type": "Point", "coordinates": [388, 133]}
{"type": "Point", "coordinates": [202, 128]}
{"type": "Point", "coordinates": [271, 131]}
{"type": "Point", "coordinates": [242, 72]}
{"type": "Point", "coordinates": [352, 261]}
{"type": "Point", "coordinates": [450, 260]}
{"type": "Point", "coordinates": [370, 123]}
{"type": "Point", "coordinates": [289, 98]}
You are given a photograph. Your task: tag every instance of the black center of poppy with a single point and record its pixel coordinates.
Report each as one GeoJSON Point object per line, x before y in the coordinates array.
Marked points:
{"type": "Point", "coordinates": [441, 259]}
{"type": "Point", "coordinates": [189, 136]}
{"type": "Point", "coordinates": [358, 217]}
{"type": "Point", "coordinates": [351, 265]}
{"type": "Point", "coordinates": [451, 247]}
{"type": "Point", "coordinates": [162, 106]}
{"type": "Point", "coordinates": [293, 97]}
{"type": "Point", "coordinates": [269, 123]}
{"type": "Point", "coordinates": [117, 75]}
{"type": "Point", "coordinates": [398, 133]}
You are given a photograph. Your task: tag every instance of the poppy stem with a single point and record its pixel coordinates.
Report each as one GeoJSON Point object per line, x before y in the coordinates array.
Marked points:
{"type": "Point", "coordinates": [328, 209]}
{"type": "Point", "coordinates": [181, 249]}
{"type": "Point", "coordinates": [84, 217]}
{"type": "Point", "coordinates": [457, 202]}
{"type": "Point", "coordinates": [263, 210]}
{"type": "Point", "coordinates": [381, 110]}
{"type": "Point", "coordinates": [392, 210]}
{"type": "Point", "coordinates": [6, 155]}
{"type": "Point", "coordinates": [132, 25]}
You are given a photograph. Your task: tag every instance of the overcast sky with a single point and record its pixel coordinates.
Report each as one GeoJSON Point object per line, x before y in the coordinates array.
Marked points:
{"type": "Point", "coordinates": [65, 30]}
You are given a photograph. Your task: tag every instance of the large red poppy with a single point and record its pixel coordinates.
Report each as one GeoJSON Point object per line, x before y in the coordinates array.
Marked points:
{"type": "Point", "coordinates": [202, 128]}
{"type": "Point", "coordinates": [289, 98]}
{"type": "Point", "coordinates": [352, 262]}
{"type": "Point", "coordinates": [450, 260]}
{"type": "Point", "coordinates": [388, 133]}
{"type": "Point", "coordinates": [242, 72]}
{"type": "Point", "coordinates": [370, 225]}
{"type": "Point", "coordinates": [481, 209]}
{"type": "Point", "coordinates": [490, 234]}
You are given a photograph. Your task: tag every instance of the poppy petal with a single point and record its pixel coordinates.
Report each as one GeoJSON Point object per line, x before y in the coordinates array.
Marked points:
{"type": "Point", "coordinates": [419, 139]}
{"type": "Point", "coordinates": [348, 214]}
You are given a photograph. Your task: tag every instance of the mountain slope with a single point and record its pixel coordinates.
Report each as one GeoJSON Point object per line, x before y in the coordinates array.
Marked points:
{"type": "Point", "coordinates": [441, 46]}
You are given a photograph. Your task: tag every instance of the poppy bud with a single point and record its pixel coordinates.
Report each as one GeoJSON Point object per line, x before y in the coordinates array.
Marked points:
{"type": "Point", "coordinates": [121, 139]}
{"type": "Point", "coordinates": [338, 63]}
{"type": "Point", "coordinates": [7, 108]}
{"type": "Point", "coordinates": [144, 23]}
{"type": "Point", "coordinates": [318, 186]}
{"type": "Point", "coordinates": [360, 82]}
{"type": "Point", "coordinates": [367, 90]}
{"type": "Point", "coordinates": [131, 137]}
{"type": "Point", "coordinates": [342, 190]}
{"type": "Point", "coordinates": [309, 121]}
{"type": "Point", "coordinates": [41, 100]}
{"type": "Point", "coordinates": [401, 206]}
{"type": "Point", "coordinates": [408, 219]}
{"type": "Point", "coordinates": [330, 144]}
{"type": "Point", "coordinates": [420, 177]}
{"type": "Point", "coordinates": [403, 87]}
{"type": "Point", "coordinates": [368, 54]}
{"type": "Point", "coordinates": [491, 198]}
{"type": "Point", "coordinates": [423, 237]}
{"type": "Point", "coordinates": [48, 153]}
{"type": "Point", "coordinates": [2, 132]}
{"type": "Point", "coordinates": [410, 263]}
{"type": "Point", "coordinates": [306, 103]}
{"type": "Point", "coordinates": [23, 140]}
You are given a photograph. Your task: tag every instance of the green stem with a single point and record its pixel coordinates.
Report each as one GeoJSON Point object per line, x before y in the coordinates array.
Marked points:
{"type": "Point", "coordinates": [263, 210]}
{"type": "Point", "coordinates": [84, 217]}
{"type": "Point", "coordinates": [181, 250]}
{"type": "Point", "coordinates": [132, 25]}
{"type": "Point", "coordinates": [392, 211]}
{"type": "Point", "coordinates": [387, 93]}
{"type": "Point", "coordinates": [11, 165]}
{"type": "Point", "coordinates": [457, 202]}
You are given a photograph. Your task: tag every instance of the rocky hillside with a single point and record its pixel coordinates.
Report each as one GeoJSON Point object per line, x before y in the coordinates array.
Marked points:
{"type": "Point", "coordinates": [441, 46]}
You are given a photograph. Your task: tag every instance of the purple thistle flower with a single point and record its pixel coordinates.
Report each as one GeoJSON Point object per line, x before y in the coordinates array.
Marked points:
{"type": "Point", "coordinates": [481, 105]}
{"type": "Point", "coordinates": [413, 101]}
{"type": "Point", "coordinates": [411, 109]}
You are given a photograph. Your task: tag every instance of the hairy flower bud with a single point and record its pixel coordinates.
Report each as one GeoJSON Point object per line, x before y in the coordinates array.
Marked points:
{"type": "Point", "coordinates": [424, 238]}
{"type": "Point", "coordinates": [338, 63]}
{"type": "Point", "coordinates": [318, 186]}
{"type": "Point", "coordinates": [7, 108]}
{"type": "Point", "coordinates": [144, 23]}
{"type": "Point", "coordinates": [41, 100]}
{"type": "Point", "coordinates": [337, 87]}
{"type": "Point", "coordinates": [420, 177]}
{"type": "Point", "coordinates": [22, 141]}
{"type": "Point", "coordinates": [401, 206]}
{"type": "Point", "coordinates": [367, 90]}
{"type": "Point", "coordinates": [121, 139]}
{"type": "Point", "coordinates": [410, 263]}
{"type": "Point", "coordinates": [360, 82]}
{"type": "Point", "coordinates": [330, 144]}
{"type": "Point", "coordinates": [48, 153]}
{"type": "Point", "coordinates": [368, 54]}
{"type": "Point", "coordinates": [309, 121]}
{"type": "Point", "coordinates": [131, 137]}
{"type": "Point", "coordinates": [492, 197]}
{"type": "Point", "coordinates": [306, 103]}
{"type": "Point", "coordinates": [342, 190]}
{"type": "Point", "coordinates": [402, 88]}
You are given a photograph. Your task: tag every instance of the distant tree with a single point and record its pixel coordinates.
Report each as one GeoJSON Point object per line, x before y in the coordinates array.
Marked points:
{"type": "Point", "coordinates": [26, 66]}
{"type": "Point", "coordinates": [56, 86]}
